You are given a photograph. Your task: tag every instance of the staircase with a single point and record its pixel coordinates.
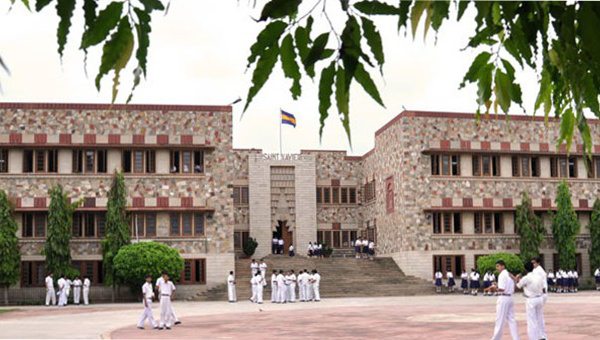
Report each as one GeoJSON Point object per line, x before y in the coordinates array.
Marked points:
{"type": "Point", "coordinates": [340, 277]}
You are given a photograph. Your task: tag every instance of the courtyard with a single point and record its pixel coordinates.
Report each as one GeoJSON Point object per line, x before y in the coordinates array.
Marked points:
{"type": "Point", "coordinates": [571, 316]}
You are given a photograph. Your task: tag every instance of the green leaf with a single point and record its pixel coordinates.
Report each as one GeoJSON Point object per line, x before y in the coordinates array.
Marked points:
{"type": "Point", "coordinates": [351, 48]}
{"type": "Point", "coordinates": [116, 54]}
{"type": "Point", "coordinates": [478, 63]}
{"type": "Point", "coordinates": [590, 94]}
{"type": "Point", "coordinates": [374, 41]}
{"type": "Point", "coordinates": [276, 9]}
{"type": "Point", "coordinates": [403, 13]}
{"type": "Point", "coordinates": [376, 8]}
{"type": "Point", "coordinates": [588, 28]}
{"type": "Point", "coordinates": [440, 12]}
{"type": "Point", "coordinates": [484, 84]}
{"type": "Point", "coordinates": [266, 38]}
{"type": "Point", "coordinates": [342, 97]}
{"type": "Point", "coordinates": [150, 5]}
{"type": "Point", "coordinates": [586, 136]}
{"type": "Point", "coordinates": [40, 4]}
{"type": "Point", "coordinates": [143, 29]}
{"type": "Point", "coordinates": [64, 9]}
{"type": "Point", "coordinates": [416, 13]}
{"type": "Point", "coordinates": [263, 69]}
{"type": "Point", "coordinates": [462, 7]}
{"type": "Point", "coordinates": [545, 93]}
{"type": "Point", "coordinates": [107, 19]}
{"type": "Point", "coordinates": [289, 65]}
{"type": "Point", "coordinates": [503, 84]}
{"type": "Point", "coordinates": [89, 12]}
{"type": "Point", "coordinates": [567, 125]}
{"type": "Point", "coordinates": [325, 92]}
{"type": "Point", "coordinates": [364, 79]}
{"type": "Point", "coordinates": [316, 52]}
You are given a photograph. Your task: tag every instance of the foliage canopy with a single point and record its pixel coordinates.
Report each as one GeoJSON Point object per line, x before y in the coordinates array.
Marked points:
{"type": "Point", "coordinates": [513, 263]}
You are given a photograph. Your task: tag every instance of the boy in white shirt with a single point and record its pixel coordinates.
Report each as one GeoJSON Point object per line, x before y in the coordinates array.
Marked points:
{"type": "Point", "coordinates": [77, 290]}
{"type": "Point", "coordinates": [505, 308]}
{"type": "Point", "coordinates": [167, 293]}
{"type": "Point", "coordinates": [159, 282]}
{"type": "Point", "coordinates": [147, 295]}
{"type": "Point", "coordinates": [86, 291]}
{"type": "Point", "coordinates": [50, 292]}
{"type": "Point", "coordinates": [231, 288]}
{"type": "Point", "coordinates": [597, 278]}
{"type": "Point", "coordinates": [274, 292]}
{"type": "Point", "coordinates": [293, 279]}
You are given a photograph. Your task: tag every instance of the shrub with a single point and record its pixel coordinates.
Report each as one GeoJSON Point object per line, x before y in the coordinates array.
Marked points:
{"type": "Point", "coordinates": [327, 250]}
{"type": "Point", "coordinates": [133, 262]}
{"type": "Point", "coordinates": [513, 263]}
{"type": "Point", "coordinates": [250, 246]}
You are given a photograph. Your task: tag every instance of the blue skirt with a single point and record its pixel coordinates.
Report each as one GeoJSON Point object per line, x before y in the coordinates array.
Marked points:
{"type": "Point", "coordinates": [464, 284]}
{"type": "Point", "coordinates": [438, 282]}
{"type": "Point", "coordinates": [451, 282]}
{"type": "Point", "coordinates": [356, 249]}
{"type": "Point", "coordinates": [550, 282]}
{"type": "Point", "coordinates": [597, 279]}
{"type": "Point", "coordinates": [292, 253]}
{"type": "Point", "coordinates": [474, 284]}
{"type": "Point", "coordinates": [486, 284]}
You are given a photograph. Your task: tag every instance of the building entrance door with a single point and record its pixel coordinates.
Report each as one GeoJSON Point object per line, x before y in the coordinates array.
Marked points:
{"type": "Point", "coordinates": [283, 232]}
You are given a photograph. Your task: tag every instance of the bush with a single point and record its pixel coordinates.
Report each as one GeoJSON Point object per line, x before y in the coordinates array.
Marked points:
{"type": "Point", "coordinates": [250, 246]}
{"type": "Point", "coordinates": [327, 250]}
{"type": "Point", "coordinates": [513, 263]}
{"type": "Point", "coordinates": [133, 262]}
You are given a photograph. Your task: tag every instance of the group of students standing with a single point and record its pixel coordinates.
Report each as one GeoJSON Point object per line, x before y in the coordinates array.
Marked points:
{"type": "Point", "coordinates": [166, 293]}
{"type": "Point", "coordinates": [64, 290]}
{"type": "Point", "coordinates": [364, 248]}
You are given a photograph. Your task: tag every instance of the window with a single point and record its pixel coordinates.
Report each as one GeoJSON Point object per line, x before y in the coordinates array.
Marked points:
{"type": "Point", "coordinates": [352, 195]}
{"type": "Point", "coordinates": [3, 160]}
{"type": "Point", "coordinates": [344, 195]}
{"type": "Point", "coordinates": [486, 165]}
{"type": "Point", "coordinates": [563, 167]}
{"type": "Point", "coordinates": [89, 161]}
{"type": "Point", "coordinates": [241, 195]}
{"type": "Point", "coordinates": [319, 195]}
{"type": "Point", "coordinates": [41, 161]}
{"type": "Point", "coordinates": [33, 274]}
{"type": "Point", "coordinates": [239, 239]}
{"type": "Point", "coordinates": [447, 223]}
{"type": "Point", "coordinates": [139, 161]}
{"type": "Point", "coordinates": [187, 224]}
{"type": "Point", "coordinates": [143, 224]}
{"type": "Point", "coordinates": [337, 238]}
{"type": "Point", "coordinates": [449, 263]}
{"type": "Point", "coordinates": [446, 165]}
{"type": "Point", "coordinates": [88, 224]}
{"type": "Point", "coordinates": [326, 195]}
{"type": "Point", "coordinates": [370, 191]}
{"type": "Point", "coordinates": [488, 223]}
{"type": "Point", "coordinates": [34, 225]}
{"type": "Point", "coordinates": [187, 162]}
{"type": "Point", "coordinates": [93, 270]}
{"type": "Point", "coordinates": [194, 272]}
{"type": "Point", "coordinates": [525, 166]}
{"type": "Point", "coordinates": [389, 195]}
{"type": "Point", "coordinates": [335, 195]}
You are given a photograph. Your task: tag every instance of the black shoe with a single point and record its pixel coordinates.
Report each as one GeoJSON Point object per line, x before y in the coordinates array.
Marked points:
{"type": "Point", "coordinates": [177, 322]}
{"type": "Point", "coordinates": [168, 328]}
{"type": "Point", "coordinates": [140, 327]}
{"type": "Point", "coordinates": [160, 328]}
{"type": "Point", "coordinates": [155, 327]}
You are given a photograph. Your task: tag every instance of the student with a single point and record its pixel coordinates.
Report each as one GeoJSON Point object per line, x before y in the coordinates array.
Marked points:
{"type": "Point", "coordinates": [575, 281]}
{"type": "Point", "coordinates": [257, 288]}
{"type": "Point", "coordinates": [291, 250]}
{"type": "Point", "coordinates": [288, 285]}
{"type": "Point", "coordinates": [310, 249]}
{"type": "Point", "coordinates": [262, 266]}
{"type": "Point", "coordinates": [281, 287]}
{"type": "Point", "coordinates": [570, 278]}
{"type": "Point", "coordinates": [464, 282]}
{"type": "Point", "coordinates": [486, 284]}
{"type": "Point", "coordinates": [474, 282]}
{"type": "Point", "coordinates": [159, 282]}
{"type": "Point", "coordinates": [357, 244]}
{"type": "Point", "coordinates": [371, 250]}
{"type": "Point", "coordinates": [50, 292]}
{"type": "Point", "coordinates": [293, 280]}
{"type": "Point", "coordinates": [320, 250]}
{"type": "Point", "coordinates": [366, 248]}
{"type": "Point", "coordinates": [274, 245]}
{"type": "Point", "coordinates": [597, 277]}
{"type": "Point", "coordinates": [86, 291]}
{"type": "Point", "coordinates": [360, 250]}
{"type": "Point", "coordinates": [231, 288]}
{"type": "Point", "coordinates": [451, 282]}
{"type": "Point", "coordinates": [438, 281]}
{"type": "Point", "coordinates": [307, 286]}
{"type": "Point", "coordinates": [533, 289]}
{"type": "Point", "coordinates": [505, 308]}
{"type": "Point", "coordinates": [551, 282]}
{"type": "Point", "coordinates": [559, 281]}
{"type": "Point", "coordinates": [68, 284]}
{"type": "Point", "coordinates": [253, 268]}
{"type": "Point", "coordinates": [147, 296]}
{"type": "Point", "coordinates": [538, 270]}
{"type": "Point", "coordinates": [77, 290]}
{"type": "Point", "coordinates": [301, 285]}
{"type": "Point", "coordinates": [62, 291]}
{"type": "Point", "coordinates": [280, 246]}
{"type": "Point", "coordinates": [493, 280]}
{"type": "Point", "coordinates": [167, 293]}
{"type": "Point", "coordinates": [316, 279]}
{"type": "Point", "coordinates": [274, 292]}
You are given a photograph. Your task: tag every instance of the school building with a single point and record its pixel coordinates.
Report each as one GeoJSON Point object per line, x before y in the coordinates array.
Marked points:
{"type": "Point", "coordinates": [436, 191]}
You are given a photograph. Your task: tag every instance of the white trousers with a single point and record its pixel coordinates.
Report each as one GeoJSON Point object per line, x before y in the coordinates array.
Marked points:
{"type": "Point", "coordinates": [281, 292]}
{"type": "Point", "coordinates": [308, 292]}
{"type": "Point", "coordinates": [62, 297]}
{"type": "Point", "coordinates": [165, 311]}
{"type": "Point", "coordinates": [50, 296]}
{"type": "Point", "coordinates": [254, 271]}
{"type": "Point", "coordinates": [147, 314]}
{"type": "Point", "coordinates": [274, 292]}
{"type": "Point", "coordinates": [535, 311]}
{"type": "Point", "coordinates": [542, 325]}
{"type": "Point", "coordinates": [86, 295]}
{"type": "Point", "coordinates": [293, 292]}
{"type": "Point", "coordinates": [76, 295]}
{"type": "Point", "coordinates": [301, 291]}
{"type": "Point", "coordinates": [505, 312]}
{"type": "Point", "coordinates": [259, 294]}
{"type": "Point", "coordinates": [317, 294]}
{"type": "Point", "coordinates": [254, 292]}
{"type": "Point", "coordinates": [231, 293]}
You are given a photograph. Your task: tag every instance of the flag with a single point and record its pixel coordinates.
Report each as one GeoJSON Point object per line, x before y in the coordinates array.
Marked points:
{"type": "Point", "coordinates": [288, 118]}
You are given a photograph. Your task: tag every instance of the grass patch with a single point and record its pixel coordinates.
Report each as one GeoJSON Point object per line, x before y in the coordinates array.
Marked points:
{"type": "Point", "coordinates": [3, 311]}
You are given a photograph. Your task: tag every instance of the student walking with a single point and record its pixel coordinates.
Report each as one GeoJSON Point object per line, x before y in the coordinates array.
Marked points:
{"type": "Point", "coordinates": [147, 296]}
{"type": "Point", "coordinates": [464, 282]}
{"type": "Point", "coordinates": [167, 293]}
{"type": "Point", "coordinates": [159, 284]}
{"type": "Point", "coordinates": [539, 271]}
{"type": "Point", "coordinates": [50, 292]}
{"type": "Point", "coordinates": [505, 308]}
{"type": "Point", "coordinates": [597, 277]}
{"type": "Point", "coordinates": [533, 289]}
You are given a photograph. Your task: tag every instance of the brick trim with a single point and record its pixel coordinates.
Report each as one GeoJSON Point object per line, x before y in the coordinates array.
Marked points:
{"type": "Point", "coordinates": [118, 107]}
{"type": "Point", "coordinates": [114, 140]}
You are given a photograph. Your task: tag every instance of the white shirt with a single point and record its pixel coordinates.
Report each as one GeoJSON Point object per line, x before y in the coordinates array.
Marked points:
{"type": "Point", "coordinates": [320, 246]}
{"type": "Point", "coordinates": [230, 280]}
{"type": "Point", "coordinates": [255, 281]}
{"type": "Point", "coordinates": [61, 283]}
{"type": "Point", "coordinates": [167, 288]}
{"type": "Point", "coordinates": [558, 275]}
{"type": "Point", "coordinates": [551, 275]}
{"type": "Point", "coordinates": [302, 278]}
{"type": "Point", "coordinates": [486, 277]}
{"type": "Point", "coordinates": [68, 284]}
{"type": "Point", "coordinates": [253, 265]}
{"type": "Point", "coordinates": [532, 285]}
{"type": "Point", "coordinates": [147, 291]}
{"type": "Point", "coordinates": [449, 275]}
{"type": "Point", "coordinates": [365, 243]}
{"type": "Point", "coordinates": [262, 266]}
{"type": "Point", "coordinates": [280, 242]}
{"type": "Point", "coordinates": [316, 278]}
{"type": "Point", "coordinates": [539, 271]}
{"type": "Point", "coordinates": [371, 245]}
{"type": "Point", "coordinates": [506, 283]}
{"type": "Point", "coordinates": [492, 277]}
{"type": "Point", "coordinates": [474, 276]}
{"type": "Point", "coordinates": [86, 283]}
{"type": "Point", "coordinates": [291, 248]}
{"type": "Point", "coordinates": [293, 279]}
{"type": "Point", "coordinates": [275, 241]}
{"type": "Point", "coordinates": [77, 283]}
{"type": "Point", "coordinates": [280, 280]}
{"type": "Point", "coordinates": [310, 247]}
{"type": "Point", "coordinates": [49, 282]}
{"type": "Point", "coordinates": [273, 279]}
{"type": "Point", "coordinates": [438, 275]}
{"type": "Point", "coordinates": [288, 280]}
{"type": "Point", "coordinates": [597, 272]}
{"type": "Point", "coordinates": [464, 276]}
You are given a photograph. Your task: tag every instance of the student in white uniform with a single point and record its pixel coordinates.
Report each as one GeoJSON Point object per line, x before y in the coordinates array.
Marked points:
{"type": "Point", "coordinates": [310, 249]}
{"type": "Point", "coordinates": [293, 280]}
{"type": "Point", "coordinates": [551, 282]}
{"type": "Point", "coordinates": [533, 289]}
{"type": "Point", "coordinates": [280, 246]}
{"type": "Point", "coordinates": [62, 291]}
{"type": "Point", "coordinates": [288, 283]}
{"type": "Point", "coordinates": [257, 289]}
{"type": "Point", "coordinates": [281, 287]}
{"type": "Point", "coordinates": [597, 278]}
{"type": "Point", "coordinates": [68, 284]}
{"type": "Point", "coordinates": [464, 282]}
{"type": "Point", "coordinates": [559, 281]}
{"type": "Point", "coordinates": [50, 292]}
{"type": "Point", "coordinates": [147, 296]}
{"type": "Point", "coordinates": [357, 245]}
{"type": "Point", "coordinates": [371, 250]}
{"type": "Point", "coordinates": [474, 282]}
{"type": "Point", "coordinates": [159, 282]}
{"type": "Point", "coordinates": [486, 284]}
{"type": "Point", "coordinates": [451, 282]}
{"type": "Point", "coordinates": [274, 245]}
{"type": "Point", "coordinates": [167, 293]}
{"type": "Point", "coordinates": [575, 280]}
{"type": "Point", "coordinates": [316, 279]}
{"type": "Point", "coordinates": [300, 280]}
{"type": "Point", "coordinates": [539, 271]}
{"type": "Point", "coordinates": [437, 281]}
{"type": "Point", "coordinates": [86, 291]}
{"type": "Point", "coordinates": [231, 288]}
{"type": "Point", "coordinates": [274, 292]}
{"type": "Point", "coordinates": [291, 251]}
{"type": "Point", "coordinates": [307, 286]}
{"type": "Point", "coordinates": [77, 290]}
{"type": "Point", "coordinates": [505, 309]}
{"type": "Point", "coordinates": [253, 268]}
{"type": "Point", "coordinates": [262, 266]}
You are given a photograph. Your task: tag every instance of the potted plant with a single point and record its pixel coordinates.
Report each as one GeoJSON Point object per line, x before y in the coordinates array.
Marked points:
{"type": "Point", "coordinates": [327, 250]}
{"type": "Point", "coordinates": [250, 247]}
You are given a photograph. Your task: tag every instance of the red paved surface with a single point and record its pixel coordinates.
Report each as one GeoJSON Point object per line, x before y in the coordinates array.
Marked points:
{"type": "Point", "coordinates": [564, 321]}
{"type": "Point", "coordinates": [24, 312]}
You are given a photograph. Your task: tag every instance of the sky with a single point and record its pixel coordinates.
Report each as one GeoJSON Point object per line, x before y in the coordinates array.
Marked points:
{"type": "Point", "coordinates": [198, 55]}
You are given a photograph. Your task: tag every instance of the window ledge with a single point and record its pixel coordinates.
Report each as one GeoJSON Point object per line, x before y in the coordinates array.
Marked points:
{"type": "Point", "coordinates": [97, 176]}
{"type": "Point", "coordinates": [523, 179]}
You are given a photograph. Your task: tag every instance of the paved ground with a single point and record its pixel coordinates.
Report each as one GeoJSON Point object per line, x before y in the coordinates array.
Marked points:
{"type": "Point", "coordinates": [570, 317]}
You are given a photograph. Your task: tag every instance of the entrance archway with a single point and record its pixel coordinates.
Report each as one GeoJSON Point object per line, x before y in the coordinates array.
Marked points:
{"type": "Point", "coordinates": [282, 231]}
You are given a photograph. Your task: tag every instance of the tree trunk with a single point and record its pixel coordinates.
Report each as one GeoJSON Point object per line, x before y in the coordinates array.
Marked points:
{"type": "Point", "coordinates": [6, 295]}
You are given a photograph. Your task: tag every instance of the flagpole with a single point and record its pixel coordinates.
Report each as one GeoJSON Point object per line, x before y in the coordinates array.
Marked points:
{"type": "Point", "coordinates": [280, 143]}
